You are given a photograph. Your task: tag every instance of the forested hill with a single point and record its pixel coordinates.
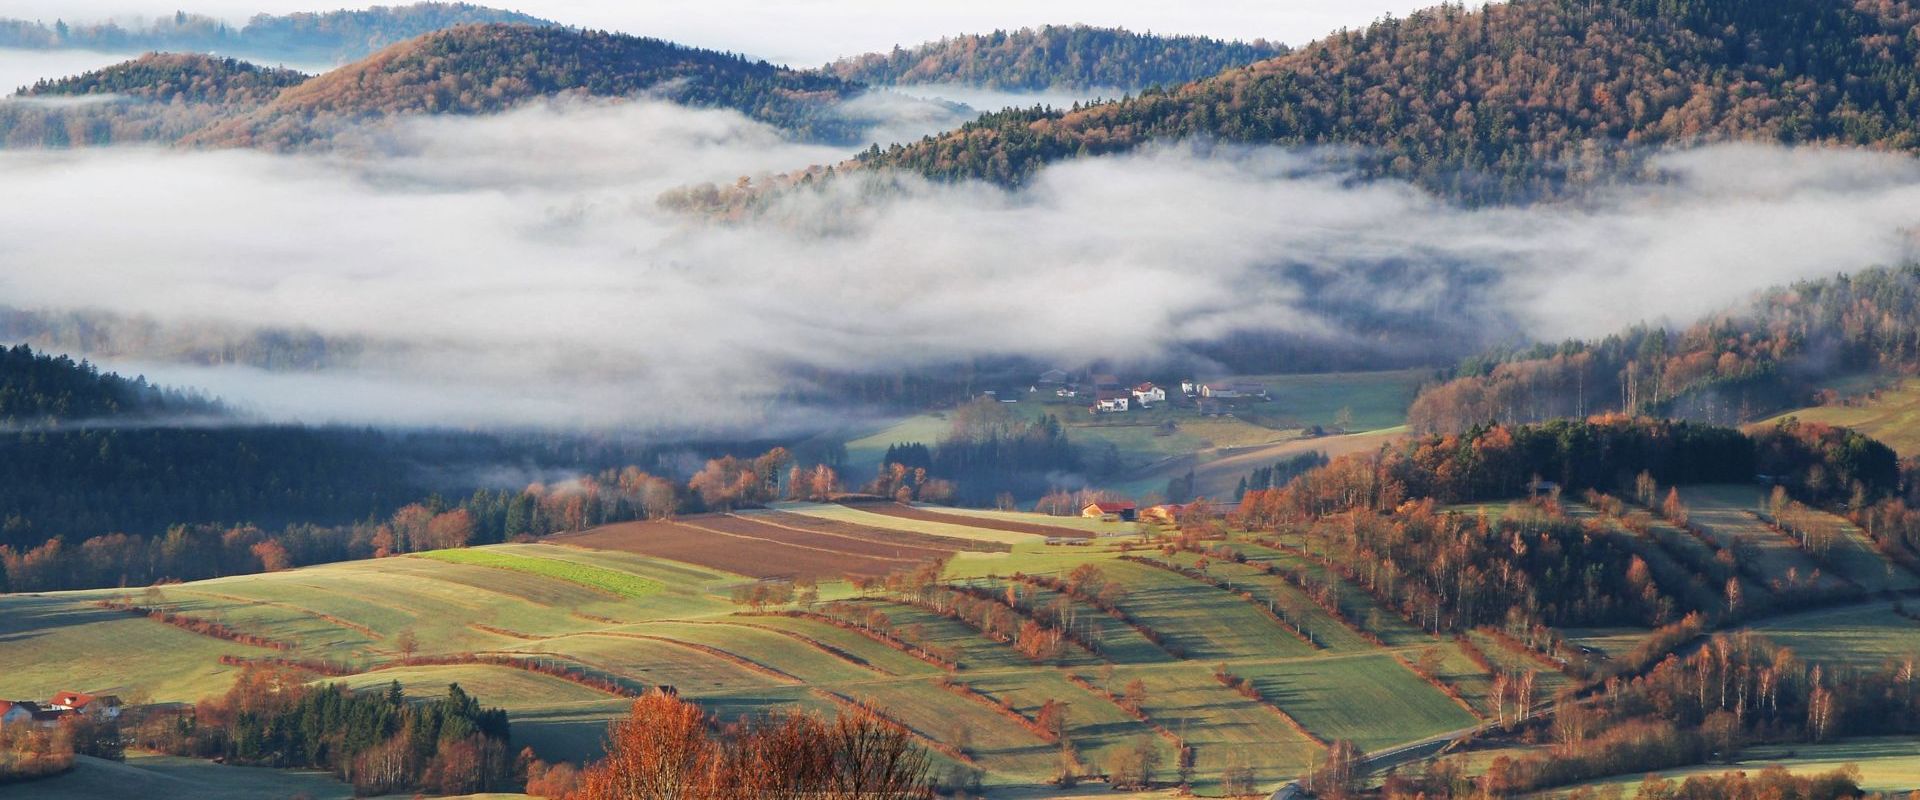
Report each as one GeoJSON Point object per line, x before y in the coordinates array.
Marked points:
{"type": "Point", "coordinates": [1735, 367]}
{"type": "Point", "coordinates": [1511, 102]}
{"type": "Point", "coordinates": [1056, 57]}
{"type": "Point", "coordinates": [37, 388]}
{"type": "Point", "coordinates": [177, 78]}
{"type": "Point", "coordinates": [332, 36]}
{"type": "Point", "coordinates": [485, 68]}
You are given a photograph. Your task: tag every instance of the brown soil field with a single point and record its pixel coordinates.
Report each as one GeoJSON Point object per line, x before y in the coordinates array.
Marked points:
{"type": "Point", "coordinates": [877, 547]}
{"type": "Point", "coordinates": [715, 544]}
{"type": "Point", "coordinates": [886, 535]}
{"type": "Point", "coordinates": [1013, 526]}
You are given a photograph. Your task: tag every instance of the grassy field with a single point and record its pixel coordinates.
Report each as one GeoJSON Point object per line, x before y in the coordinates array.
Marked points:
{"type": "Point", "coordinates": [646, 621]}
{"type": "Point", "coordinates": [1144, 439]}
{"type": "Point", "coordinates": [147, 775]}
{"type": "Point", "coordinates": [1867, 634]}
{"type": "Point", "coordinates": [1893, 417]}
{"type": "Point", "coordinates": [1886, 765]}
{"type": "Point", "coordinates": [1726, 513]}
{"type": "Point", "coordinates": [1377, 400]}
{"type": "Point", "coordinates": [1216, 473]}
{"type": "Point", "coordinates": [624, 584]}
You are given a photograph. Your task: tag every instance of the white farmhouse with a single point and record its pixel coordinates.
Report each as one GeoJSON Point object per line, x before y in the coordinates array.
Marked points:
{"type": "Point", "coordinates": [1149, 395]}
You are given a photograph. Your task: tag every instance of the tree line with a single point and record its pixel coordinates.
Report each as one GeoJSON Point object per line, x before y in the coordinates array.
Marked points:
{"type": "Point", "coordinates": [1772, 353]}
{"type": "Point", "coordinates": [1056, 56]}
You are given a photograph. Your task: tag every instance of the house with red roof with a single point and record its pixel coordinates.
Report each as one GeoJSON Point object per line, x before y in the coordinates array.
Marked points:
{"type": "Point", "coordinates": [104, 706]}
{"type": "Point", "coordinates": [1112, 511]}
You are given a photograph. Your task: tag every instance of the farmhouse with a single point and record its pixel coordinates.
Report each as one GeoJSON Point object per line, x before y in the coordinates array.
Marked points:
{"type": "Point", "coordinates": [12, 713]}
{"type": "Point", "coordinates": [1106, 405]}
{"type": "Point", "coordinates": [1147, 395]}
{"type": "Point", "coordinates": [1120, 511]}
{"type": "Point", "coordinates": [101, 707]}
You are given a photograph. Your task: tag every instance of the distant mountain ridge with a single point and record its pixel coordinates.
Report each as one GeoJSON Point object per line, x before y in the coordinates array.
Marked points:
{"type": "Point", "coordinates": [331, 36]}
{"type": "Point", "coordinates": [1056, 57]}
{"type": "Point", "coordinates": [1512, 102]}
{"type": "Point", "coordinates": [475, 69]}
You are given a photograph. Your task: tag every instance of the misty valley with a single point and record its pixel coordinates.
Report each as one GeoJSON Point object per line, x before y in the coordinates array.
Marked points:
{"type": "Point", "coordinates": [600, 401]}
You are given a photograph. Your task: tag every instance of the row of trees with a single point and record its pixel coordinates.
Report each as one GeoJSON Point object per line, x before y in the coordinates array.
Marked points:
{"type": "Point", "coordinates": [1708, 704]}
{"type": "Point", "coordinates": [1819, 463]}
{"type": "Point", "coordinates": [194, 552]}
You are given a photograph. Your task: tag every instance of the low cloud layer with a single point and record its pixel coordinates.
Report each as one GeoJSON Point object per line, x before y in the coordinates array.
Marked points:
{"type": "Point", "coordinates": [517, 270]}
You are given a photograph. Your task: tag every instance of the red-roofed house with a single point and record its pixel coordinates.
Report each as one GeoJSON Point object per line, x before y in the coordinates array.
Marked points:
{"type": "Point", "coordinates": [103, 706]}
{"type": "Point", "coordinates": [12, 713]}
{"type": "Point", "coordinates": [1110, 511]}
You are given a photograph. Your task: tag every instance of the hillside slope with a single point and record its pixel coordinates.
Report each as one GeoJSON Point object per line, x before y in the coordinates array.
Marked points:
{"type": "Point", "coordinates": [485, 68]}
{"type": "Point", "coordinates": [1056, 57]}
{"type": "Point", "coordinates": [1512, 102]}
{"type": "Point", "coordinates": [1771, 354]}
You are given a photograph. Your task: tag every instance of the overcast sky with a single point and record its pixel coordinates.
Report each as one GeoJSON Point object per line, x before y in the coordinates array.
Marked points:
{"type": "Point", "coordinates": [810, 32]}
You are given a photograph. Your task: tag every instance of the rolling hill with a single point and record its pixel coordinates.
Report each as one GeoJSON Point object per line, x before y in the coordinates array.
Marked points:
{"type": "Point", "coordinates": [1513, 102]}
{"type": "Point", "coordinates": [1055, 57]}
{"type": "Point", "coordinates": [176, 78]}
{"type": "Point", "coordinates": [480, 69]}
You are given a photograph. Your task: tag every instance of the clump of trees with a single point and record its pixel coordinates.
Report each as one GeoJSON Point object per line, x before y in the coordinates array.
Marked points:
{"type": "Point", "coordinates": [380, 742]}
{"type": "Point", "coordinates": [29, 752]}
{"type": "Point", "coordinates": [669, 749]}
{"type": "Point", "coordinates": [988, 452]}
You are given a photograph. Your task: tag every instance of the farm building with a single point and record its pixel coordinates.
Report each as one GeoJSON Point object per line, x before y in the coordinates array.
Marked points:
{"type": "Point", "coordinates": [1052, 377]}
{"type": "Point", "coordinates": [1107, 405]}
{"type": "Point", "coordinates": [1233, 390]}
{"type": "Point", "coordinates": [1110, 511]}
{"type": "Point", "coordinates": [1165, 512]}
{"type": "Point", "coordinates": [1189, 388]}
{"type": "Point", "coordinates": [103, 706]}
{"type": "Point", "coordinates": [1107, 383]}
{"type": "Point", "coordinates": [1147, 395]}
{"type": "Point", "coordinates": [12, 713]}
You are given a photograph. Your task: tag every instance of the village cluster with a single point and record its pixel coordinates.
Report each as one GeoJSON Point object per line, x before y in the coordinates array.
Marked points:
{"type": "Point", "coordinates": [62, 706]}
{"type": "Point", "coordinates": [1106, 394]}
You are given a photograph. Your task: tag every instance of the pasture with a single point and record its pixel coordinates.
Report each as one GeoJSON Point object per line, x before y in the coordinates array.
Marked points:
{"type": "Point", "coordinates": [533, 627]}
{"type": "Point", "coordinates": [1891, 415]}
{"type": "Point", "coordinates": [149, 775]}
{"type": "Point", "coordinates": [1886, 765]}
